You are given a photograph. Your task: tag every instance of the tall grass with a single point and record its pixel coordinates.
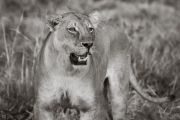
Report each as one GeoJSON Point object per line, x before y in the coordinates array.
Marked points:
{"type": "Point", "coordinates": [152, 28]}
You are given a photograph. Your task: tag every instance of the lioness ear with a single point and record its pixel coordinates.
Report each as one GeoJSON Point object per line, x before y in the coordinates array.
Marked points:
{"type": "Point", "coordinates": [95, 18]}
{"type": "Point", "coordinates": [52, 21]}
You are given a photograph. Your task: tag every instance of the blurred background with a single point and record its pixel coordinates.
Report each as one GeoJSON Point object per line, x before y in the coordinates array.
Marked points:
{"type": "Point", "coordinates": [152, 26]}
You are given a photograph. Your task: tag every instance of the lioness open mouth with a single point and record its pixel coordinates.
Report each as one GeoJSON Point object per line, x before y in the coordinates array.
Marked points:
{"type": "Point", "coordinates": [78, 59]}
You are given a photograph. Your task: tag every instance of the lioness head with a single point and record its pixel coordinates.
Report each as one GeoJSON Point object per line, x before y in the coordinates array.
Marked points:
{"type": "Point", "coordinates": [74, 34]}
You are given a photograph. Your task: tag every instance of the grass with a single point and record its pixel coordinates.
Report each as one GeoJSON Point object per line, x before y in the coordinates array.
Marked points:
{"type": "Point", "coordinates": [152, 27]}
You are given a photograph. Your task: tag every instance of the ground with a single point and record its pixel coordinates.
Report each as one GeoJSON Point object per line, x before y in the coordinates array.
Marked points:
{"type": "Point", "coordinates": [152, 26]}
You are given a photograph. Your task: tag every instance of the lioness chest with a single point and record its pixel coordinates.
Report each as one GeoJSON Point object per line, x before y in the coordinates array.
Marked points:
{"type": "Point", "coordinates": [76, 91]}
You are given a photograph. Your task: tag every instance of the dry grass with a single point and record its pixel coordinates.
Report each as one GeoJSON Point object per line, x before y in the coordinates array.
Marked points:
{"type": "Point", "coordinates": [152, 27]}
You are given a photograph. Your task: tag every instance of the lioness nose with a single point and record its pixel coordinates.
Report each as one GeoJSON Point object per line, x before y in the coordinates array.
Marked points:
{"type": "Point", "coordinates": [87, 45]}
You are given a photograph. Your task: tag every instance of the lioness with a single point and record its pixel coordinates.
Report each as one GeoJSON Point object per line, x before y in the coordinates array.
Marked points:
{"type": "Point", "coordinates": [80, 58]}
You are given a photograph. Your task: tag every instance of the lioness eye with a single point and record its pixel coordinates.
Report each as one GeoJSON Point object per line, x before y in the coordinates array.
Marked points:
{"type": "Point", "coordinates": [72, 29]}
{"type": "Point", "coordinates": [91, 30]}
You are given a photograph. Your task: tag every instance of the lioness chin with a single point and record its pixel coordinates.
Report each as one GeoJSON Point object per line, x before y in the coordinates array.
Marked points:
{"type": "Point", "coordinates": [80, 58]}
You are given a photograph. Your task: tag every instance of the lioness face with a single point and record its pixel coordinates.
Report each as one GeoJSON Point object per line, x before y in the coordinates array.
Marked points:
{"type": "Point", "coordinates": [74, 33]}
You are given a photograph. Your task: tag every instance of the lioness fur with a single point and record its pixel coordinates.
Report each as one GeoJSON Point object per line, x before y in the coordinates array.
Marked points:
{"type": "Point", "coordinates": [80, 56]}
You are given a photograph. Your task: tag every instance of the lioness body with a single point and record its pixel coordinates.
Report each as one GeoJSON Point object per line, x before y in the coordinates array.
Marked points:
{"type": "Point", "coordinates": [67, 80]}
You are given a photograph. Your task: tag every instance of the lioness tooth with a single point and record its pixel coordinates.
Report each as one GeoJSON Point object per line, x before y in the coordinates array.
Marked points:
{"type": "Point", "coordinates": [79, 59]}
{"type": "Point", "coordinates": [85, 58]}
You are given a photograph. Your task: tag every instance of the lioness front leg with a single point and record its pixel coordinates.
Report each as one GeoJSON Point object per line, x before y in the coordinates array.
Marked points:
{"type": "Point", "coordinates": [88, 115]}
{"type": "Point", "coordinates": [118, 95]}
{"type": "Point", "coordinates": [118, 75]}
{"type": "Point", "coordinates": [99, 110]}
{"type": "Point", "coordinates": [42, 112]}
{"type": "Point", "coordinates": [96, 113]}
